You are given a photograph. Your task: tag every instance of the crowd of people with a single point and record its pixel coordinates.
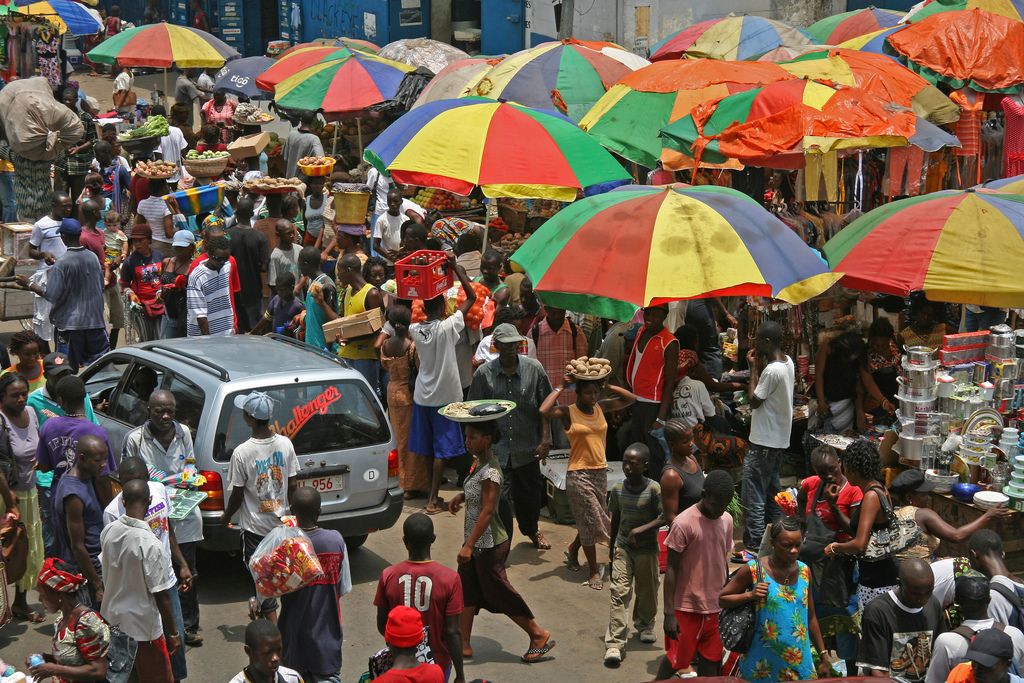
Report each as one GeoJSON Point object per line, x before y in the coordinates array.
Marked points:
{"type": "Point", "coordinates": [111, 562]}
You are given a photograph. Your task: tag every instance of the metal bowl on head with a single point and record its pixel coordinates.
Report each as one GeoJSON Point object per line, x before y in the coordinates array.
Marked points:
{"type": "Point", "coordinates": [943, 482]}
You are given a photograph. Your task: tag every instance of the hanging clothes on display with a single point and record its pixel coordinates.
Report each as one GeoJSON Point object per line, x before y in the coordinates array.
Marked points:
{"type": "Point", "coordinates": [46, 44]}
{"type": "Point", "coordinates": [905, 163]}
{"type": "Point", "coordinates": [1013, 137]}
{"type": "Point", "coordinates": [992, 138]}
{"type": "Point", "coordinates": [968, 130]}
{"type": "Point", "coordinates": [821, 169]}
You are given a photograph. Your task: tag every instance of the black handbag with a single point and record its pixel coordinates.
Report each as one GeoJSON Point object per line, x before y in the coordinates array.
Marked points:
{"type": "Point", "coordinates": [831, 577]}
{"type": "Point", "coordinates": [897, 536]}
{"type": "Point", "coordinates": [736, 624]}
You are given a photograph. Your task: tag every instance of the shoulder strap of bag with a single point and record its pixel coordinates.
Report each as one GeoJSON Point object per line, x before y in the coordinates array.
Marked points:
{"type": "Point", "coordinates": [965, 632]}
{"type": "Point", "coordinates": [1009, 593]}
{"type": "Point", "coordinates": [883, 500]}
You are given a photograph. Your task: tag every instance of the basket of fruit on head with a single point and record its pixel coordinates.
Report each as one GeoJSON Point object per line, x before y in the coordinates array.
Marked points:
{"type": "Point", "coordinates": [145, 138]}
{"type": "Point", "coordinates": [155, 170]}
{"type": "Point", "coordinates": [206, 164]}
{"type": "Point", "coordinates": [316, 166]}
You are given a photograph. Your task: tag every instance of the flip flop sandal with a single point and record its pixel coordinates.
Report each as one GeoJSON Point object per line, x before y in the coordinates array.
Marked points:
{"type": "Point", "coordinates": [534, 654]}
{"type": "Point", "coordinates": [254, 609]}
{"type": "Point", "coordinates": [596, 585]}
{"type": "Point", "coordinates": [541, 544]}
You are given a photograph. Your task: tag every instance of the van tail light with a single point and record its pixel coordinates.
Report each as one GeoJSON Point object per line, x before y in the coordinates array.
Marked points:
{"type": "Point", "coordinates": [214, 490]}
{"type": "Point", "coordinates": [393, 464]}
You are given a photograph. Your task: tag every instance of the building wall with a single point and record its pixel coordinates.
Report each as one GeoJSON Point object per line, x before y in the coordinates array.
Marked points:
{"type": "Point", "coordinates": [375, 20]}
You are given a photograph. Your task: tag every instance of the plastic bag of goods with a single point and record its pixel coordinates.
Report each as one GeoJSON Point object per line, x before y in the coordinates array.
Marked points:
{"type": "Point", "coordinates": [284, 562]}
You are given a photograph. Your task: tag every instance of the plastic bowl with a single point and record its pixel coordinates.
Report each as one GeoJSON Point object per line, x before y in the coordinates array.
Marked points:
{"type": "Point", "coordinates": [965, 492]}
{"type": "Point", "coordinates": [943, 482]}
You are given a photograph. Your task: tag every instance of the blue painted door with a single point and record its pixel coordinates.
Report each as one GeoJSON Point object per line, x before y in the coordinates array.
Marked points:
{"type": "Point", "coordinates": [502, 24]}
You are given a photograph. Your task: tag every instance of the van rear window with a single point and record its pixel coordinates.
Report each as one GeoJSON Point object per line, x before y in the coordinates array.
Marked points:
{"type": "Point", "coordinates": [317, 417]}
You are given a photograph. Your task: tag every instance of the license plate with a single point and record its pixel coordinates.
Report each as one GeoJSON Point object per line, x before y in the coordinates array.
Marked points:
{"type": "Point", "coordinates": [323, 484]}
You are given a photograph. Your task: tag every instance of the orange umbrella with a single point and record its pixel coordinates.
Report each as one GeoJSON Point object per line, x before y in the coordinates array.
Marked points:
{"type": "Point", "coordinates": [971, 48]}
{"type": "Point", "coordinates": [628, 117]}
{"type": "Point", "coordinates": [878, 75]}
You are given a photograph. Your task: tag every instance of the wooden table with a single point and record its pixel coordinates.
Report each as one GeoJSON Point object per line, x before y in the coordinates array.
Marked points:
{"type": "Point", "coordinates": [1011, 530]}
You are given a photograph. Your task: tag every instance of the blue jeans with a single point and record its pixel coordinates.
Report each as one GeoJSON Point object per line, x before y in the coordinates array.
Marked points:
{"type": "Point", "coordinates": [974, 322]}
{"type": "Point", "coordinates": [760, 484]}
{"type": "Point", "coordinates": [168, 328]}
{"type": "Point", "coordinates": [46, 517]}
{"type": "Point", "coordinates": [178, 666]}
{"type": "Point", "coordinates": [7, 198]}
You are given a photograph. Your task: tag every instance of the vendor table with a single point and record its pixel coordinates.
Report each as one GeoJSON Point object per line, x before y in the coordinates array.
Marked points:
{"type": "Point", "coordinates": [1011, 529]}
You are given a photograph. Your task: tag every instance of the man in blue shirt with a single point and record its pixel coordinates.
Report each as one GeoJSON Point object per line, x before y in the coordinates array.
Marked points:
{"type": "Point", "coordinates": [74, 288]}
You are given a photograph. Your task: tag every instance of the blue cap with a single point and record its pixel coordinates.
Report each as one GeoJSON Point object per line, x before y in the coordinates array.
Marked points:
{"type": "Point", "coordinates": [70, 227]}
{"type": "Point", "coordinates": [256, 404]}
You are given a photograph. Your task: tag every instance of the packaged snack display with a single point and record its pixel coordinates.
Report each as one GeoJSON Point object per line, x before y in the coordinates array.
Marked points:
{"type": "Point", "coordinates": [284, 562]}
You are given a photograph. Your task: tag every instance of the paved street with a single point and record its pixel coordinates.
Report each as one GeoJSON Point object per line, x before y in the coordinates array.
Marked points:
{"type": "Point", "coordinates": [575, 615]}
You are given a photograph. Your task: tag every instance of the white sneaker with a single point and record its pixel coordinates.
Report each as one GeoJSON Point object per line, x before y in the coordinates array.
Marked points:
{"type": "Point", "coordinates": [648, 636]}
{"type": "Point", "coordinates": [612, 656]}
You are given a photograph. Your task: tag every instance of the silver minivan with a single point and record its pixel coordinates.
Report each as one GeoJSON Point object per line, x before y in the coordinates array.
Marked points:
{"type": "Point", "coordinates": [341, 434]}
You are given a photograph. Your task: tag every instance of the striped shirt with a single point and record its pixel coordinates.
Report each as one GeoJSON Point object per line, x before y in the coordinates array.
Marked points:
{"type": "Point", "coordinates": [209, 296]}
{"type": "Point", "coordinates": [636, 508]}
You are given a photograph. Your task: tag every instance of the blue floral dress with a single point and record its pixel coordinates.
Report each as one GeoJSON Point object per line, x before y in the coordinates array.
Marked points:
{"type": "Point", "coordinates": [781, 650]}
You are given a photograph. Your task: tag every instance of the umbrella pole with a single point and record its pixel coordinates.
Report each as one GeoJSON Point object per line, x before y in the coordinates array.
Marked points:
{"type": "Point", "coordinates": [359, 135]}
{"type": "Point", "coordinates": [165, 88]}
{"type": "Point", "coordinates": [334, 140]}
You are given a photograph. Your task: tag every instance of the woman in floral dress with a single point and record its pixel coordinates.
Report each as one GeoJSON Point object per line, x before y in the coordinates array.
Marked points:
{"type": "Point", "coordinates": [785, 624]}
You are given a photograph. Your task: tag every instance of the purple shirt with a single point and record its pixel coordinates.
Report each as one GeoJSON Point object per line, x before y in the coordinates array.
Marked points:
{"type": "Point", "coordinates": [58, 439]}
{"type": "Point", "coordinates": [92, 517]}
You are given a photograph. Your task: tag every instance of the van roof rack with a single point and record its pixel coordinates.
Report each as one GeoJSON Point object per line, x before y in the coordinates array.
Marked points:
{"type": "Point", "coordinates": [202, 363]}
{"type": "Point", "coordinates": [303, 345]}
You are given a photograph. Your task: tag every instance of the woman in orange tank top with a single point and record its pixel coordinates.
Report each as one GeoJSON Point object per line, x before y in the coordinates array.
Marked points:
{"type": "Point", "coordinates": [586, 483]}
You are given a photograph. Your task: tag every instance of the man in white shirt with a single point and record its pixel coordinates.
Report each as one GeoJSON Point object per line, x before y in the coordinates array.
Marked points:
{"type": "Point", "coordinates": [261, 479]}
{"type": "Point", "coordinates": [158, 519]}
{"type": "Point", "coordinates": [987, 556]}
{"type": "Point", "coordinates": [387, 229]}
{"type": "Point", "coordinates": [45, 244]}
{"type": "Point", "coordinates": [171, 147]}
{"type": "Point", "coordinates": [691, 402]}
{"type": "Point", "coordinates": [950, 648]}
{"type": "Point", "coordinates": [165, 444]}
{"type": "Point", "coordinates": [438, 383]}
{"type": "Point", "coordinates": [263, 647]}
{"type": "Point", "coordinates": [772, 376]}
{"type": "Point", "coordinates": [123, 83]}
{"type": "Point", "coordinates": [138, 587]}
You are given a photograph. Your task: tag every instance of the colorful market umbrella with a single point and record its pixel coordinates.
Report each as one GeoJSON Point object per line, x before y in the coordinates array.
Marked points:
{"type": "Point", "coordinates": [628, 117]}
{"type": "Point", "coordinates": [162, 46]}
{"type": "Point", "coordinates": [296, 59]}
{"type": "Point", "coordinates": [1011, 185]}
{"type": "Point", "coordinates": [342, 85]}
{"type": "Point", "coordinates": [785, 53]}
{"type": "Point", "coordinates": [776, 125]}
{"type": "Point", "coordinates": [343, 41]}
{"type": "Point", "coordinates": [455, 80]}
{"type": "Point", "coordinates": [969, 48]}
{"type": "Point", "coordinates": [878, 75]}
{"type": "Point", "coordinates": [568, 75]}
{"type": "Point", "coordinates": [639, 245]}
{"type": "Point", "coordinates": [847, 25]}
{"type": "Point", "coordinates": [960, 246]}
{"type": "Point", "coordinates": [1011, 9]}
{"type": "Point", "coordinates": [239, 76]}
{"type": "Point", "coordinates": [68, 16]}
{"type": "Point", "coordinates": [875, 43]}
{"type": "Point", "coordinates": [732, 37]}
{"type": "Point", "coordinates": [506, 149]}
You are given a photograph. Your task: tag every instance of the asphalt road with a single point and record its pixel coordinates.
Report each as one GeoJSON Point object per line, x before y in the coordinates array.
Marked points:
{"type": "Point", "coordinates": [575, 615]}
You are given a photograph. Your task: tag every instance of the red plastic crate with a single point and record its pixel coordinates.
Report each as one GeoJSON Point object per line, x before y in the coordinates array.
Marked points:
{"type": "Point", "coordinates": [423, 281]}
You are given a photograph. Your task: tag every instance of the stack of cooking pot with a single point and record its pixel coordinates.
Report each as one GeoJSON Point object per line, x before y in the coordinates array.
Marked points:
{"type": "Point", "coordinates": [917, 394]}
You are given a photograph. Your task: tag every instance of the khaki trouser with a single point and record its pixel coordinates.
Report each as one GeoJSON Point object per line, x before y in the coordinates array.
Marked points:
{"type": "Point", "coordinates": [631, 570]}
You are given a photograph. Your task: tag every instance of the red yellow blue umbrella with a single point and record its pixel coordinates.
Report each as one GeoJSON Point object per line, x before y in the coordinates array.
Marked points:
{"type": "Point", "coordinates": [342, 85]}
{"type": "Point", "coordinates": [639, 245]}
{"type": "Point", "coordinates": [163, 46]}
{"type": "Point", "coordinates": [961, 246]}
{"type": "Point", "coordinates": [847, 25]}
{"type": "Point", "coordinates": [505, 149]}
{"type": "Point", "coordinates": [732, 37]}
